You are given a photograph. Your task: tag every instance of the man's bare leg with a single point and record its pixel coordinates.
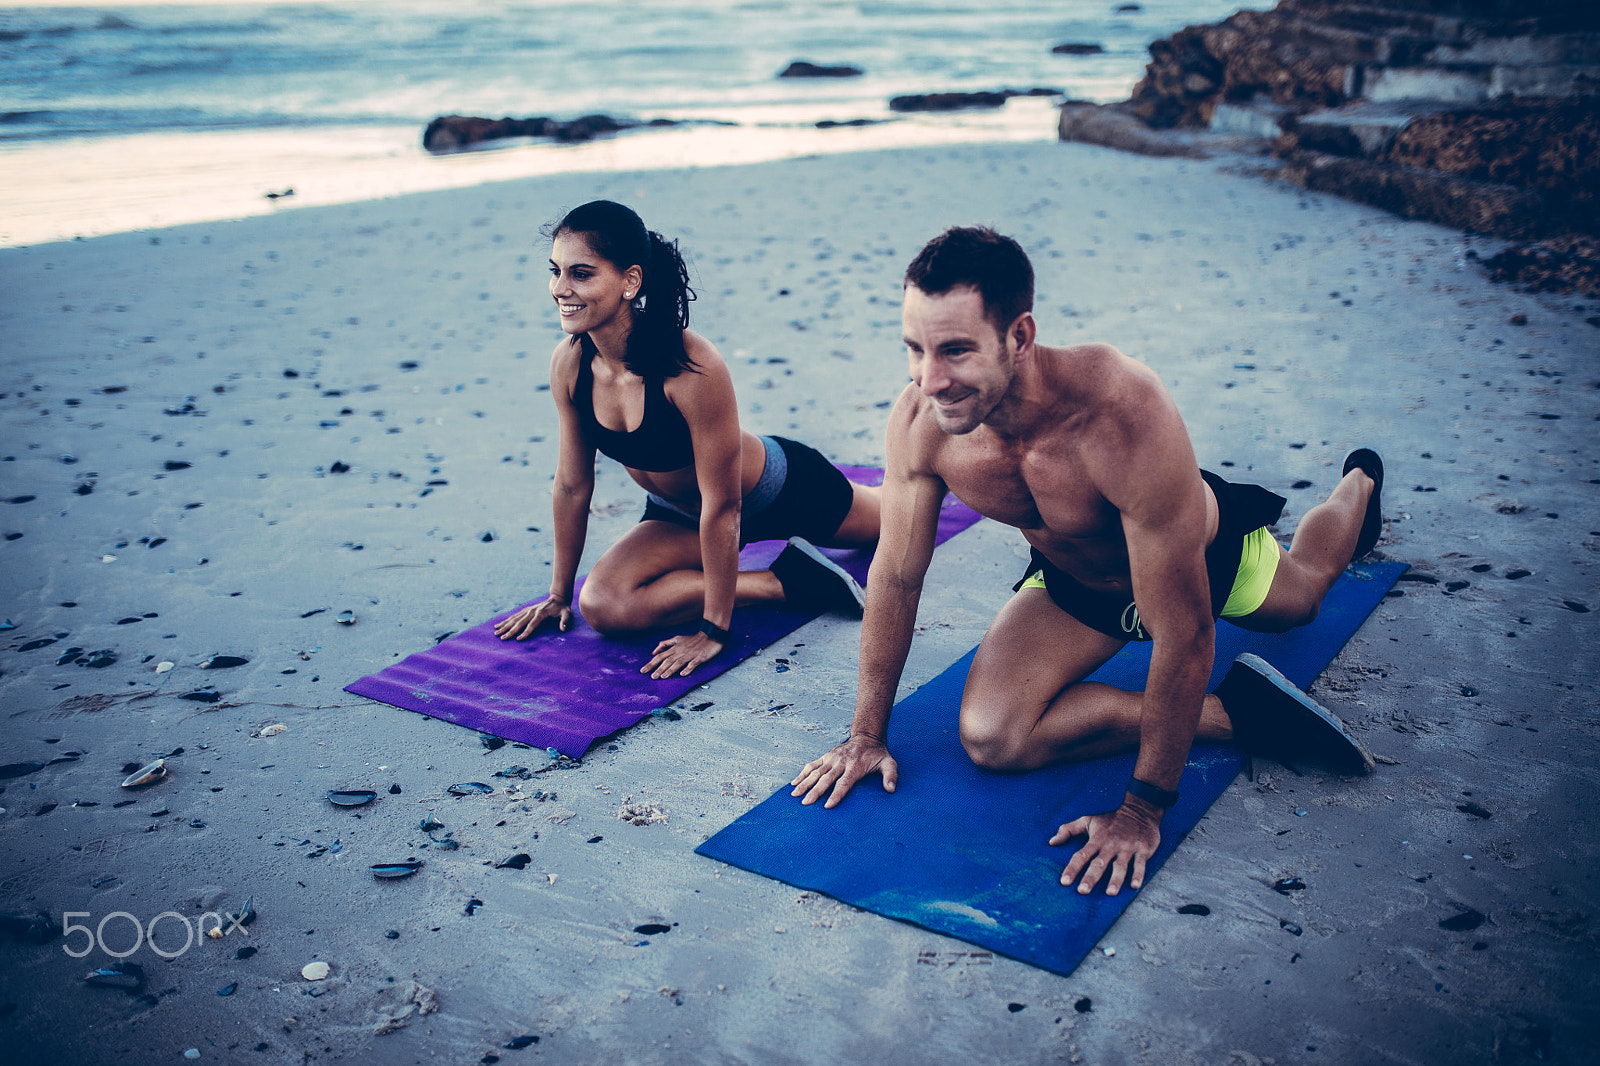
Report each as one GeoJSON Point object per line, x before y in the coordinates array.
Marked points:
{"type": "Point", "coordinates": [1026, 704]}
{"type": "Point", "coordinates": [1322, 547]}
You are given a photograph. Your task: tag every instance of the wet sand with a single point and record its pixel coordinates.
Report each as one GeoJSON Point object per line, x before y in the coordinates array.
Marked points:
{"type": "Point", "coordinates": [180, 407]}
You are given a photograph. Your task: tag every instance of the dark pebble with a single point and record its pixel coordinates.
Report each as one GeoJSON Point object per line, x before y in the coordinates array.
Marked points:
{"type": "Point", "coordinates": [487, 538]}
{"type": "Point", "coordinates": [1301, 484]}
{"type": "Point", "coordinates": [1456, 586]}
{"type": "Point", "coordinates": [1286, 885]}
{"type": "Point", "coordinates": [520, 1042]}
{"type": "Point", "coordinates": [1481, 568]}
{"type": "Point", "coordinates": [516, 862]}
{"type": "Point", "coordinates": [1473, 809]}
{"type": "Point", "coordinates": [45, 808]}
{"type": "Point", "coordinates": [394, 790]}
{"type": "Point", "coordinates": [652, 928]}
{"type": "Point", "coordinates": [245, 953]}
{"type": "Point", "coordinates": [34, 645]}
{"type": "Point", "coordinates": [472, 906]}
{"type": "Point", "coordinates": [129, 620]}
{"type": "Point", "coordinates": [21, 499]}
{"type": "Point", "coordinates": [1015, 1007]}
{"type": "Point", "coordinates": [1467, 920]}
{"type": "Point", "coordinates": [595, 839]}
{"type": "Point", "coordinates": [1084, 1005]}
{"type": "Point", "coordinates": [202, 695]}
{"type": "Point", "coordinates": [393, 934]}
{"type": "Point", "coordinates": [228, 989]}
{"type": "Point", "coordinates": [223, 662]}
{"type": "Point", "coordinates": [176, 464]}
{"type": "Point", "coordinates": [339, 467]}
{"type": "Point", "coordinates": [1517, 575]}
{"type": "Point", "coordinates": [68, 656]}
{"type": "Point", "coordinates": [1575, 607]}
{"type": "Point", "coordinates": [1195, 908]}
{"type": "Point", "coordinates": [22, 769]}
{"type": "Point", "coordinates": [1468, 691]}
{"type": "Point", "coordinates": [1419, 577]}
{"type": "Point", "coordinates": [1290, 927]}
{"type": "Point", "coordinates": [85, 489]}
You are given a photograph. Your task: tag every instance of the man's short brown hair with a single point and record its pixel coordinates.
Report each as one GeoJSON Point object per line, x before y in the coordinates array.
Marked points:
{"type": "Point", "coordinates": [989, 262]}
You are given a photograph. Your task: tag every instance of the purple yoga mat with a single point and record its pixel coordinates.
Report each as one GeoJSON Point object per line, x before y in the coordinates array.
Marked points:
{"type": "Point", "coordinates": [563, 690]}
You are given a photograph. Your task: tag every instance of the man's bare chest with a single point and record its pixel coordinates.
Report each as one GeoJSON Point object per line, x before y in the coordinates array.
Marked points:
{"type": "Point", "coordinates": [1041, 492]}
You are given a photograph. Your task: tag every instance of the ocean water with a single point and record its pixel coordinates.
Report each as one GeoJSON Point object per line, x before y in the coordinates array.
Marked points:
{"type": "Point", "coordinates": [143, 95]}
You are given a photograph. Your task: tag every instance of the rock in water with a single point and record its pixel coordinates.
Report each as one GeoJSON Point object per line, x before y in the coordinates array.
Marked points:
{"type": "Point", "coordinates": [801, 69]}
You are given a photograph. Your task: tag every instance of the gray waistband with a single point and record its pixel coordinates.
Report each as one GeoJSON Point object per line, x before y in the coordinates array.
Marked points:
{"type": "Point", "coordinates": [773, 475]}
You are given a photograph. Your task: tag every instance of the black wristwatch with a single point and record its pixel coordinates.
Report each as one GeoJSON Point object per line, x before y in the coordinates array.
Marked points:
{"type": "Point", "coordinates": [1151, 794]}
{"type": "Point", "coordinates": [716, 632]}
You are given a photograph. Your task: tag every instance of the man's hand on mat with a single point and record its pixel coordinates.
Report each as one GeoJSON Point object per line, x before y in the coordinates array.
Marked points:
{"type": "Point", "coordinates": [1121, 840]}
{"type": "Point", "coordinates": [842, 767]}
{"type": "Point", "coordinates": [676, 656]}
{"type": "Point", "coordinates": [521, 625]}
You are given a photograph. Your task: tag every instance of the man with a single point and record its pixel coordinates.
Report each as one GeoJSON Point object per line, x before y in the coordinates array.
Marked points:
{"type": "Point", "coordinates": [1083, 450]}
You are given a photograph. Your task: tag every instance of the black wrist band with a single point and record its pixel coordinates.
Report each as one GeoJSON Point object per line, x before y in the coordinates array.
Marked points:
{"type": "Point", "coordinates": [716, 632]}
{"type": "Point", "coordinates": [1151, 794]}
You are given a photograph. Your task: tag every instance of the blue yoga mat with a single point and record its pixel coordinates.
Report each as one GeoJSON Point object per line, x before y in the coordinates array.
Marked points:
{"type": "Point", "coordinates": [962, 851]}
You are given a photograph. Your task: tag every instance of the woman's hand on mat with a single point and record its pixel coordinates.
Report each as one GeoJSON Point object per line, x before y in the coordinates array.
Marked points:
{"type": "Point", "coordinates": [521, 625]}
{"type": "Point", "coordinates": [842, 767]}
{"type": "Point", "coordinates": [676, 656]}
{"type": "Point", "coordinates": [1120, 840]}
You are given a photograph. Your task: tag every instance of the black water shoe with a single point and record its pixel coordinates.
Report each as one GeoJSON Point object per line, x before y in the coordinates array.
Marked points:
{"type": "Point", "coordinates": [1273, 718]}
{"type": "Point", "coordinates": [812, 581]}
{"type": "Point", "coordinates": [1371, 464]}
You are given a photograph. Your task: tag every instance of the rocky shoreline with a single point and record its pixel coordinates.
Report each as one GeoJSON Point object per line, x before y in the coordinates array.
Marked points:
{"type": "Point", "coordinates": [1475, 114]}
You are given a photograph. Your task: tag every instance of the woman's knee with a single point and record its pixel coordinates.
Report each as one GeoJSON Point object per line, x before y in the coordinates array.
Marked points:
{"type": "Point", "coordinates": [606, 609]}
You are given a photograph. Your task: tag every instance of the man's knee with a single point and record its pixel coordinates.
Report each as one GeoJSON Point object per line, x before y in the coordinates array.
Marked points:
{"type": "Point", "coordinates": [993, 743]}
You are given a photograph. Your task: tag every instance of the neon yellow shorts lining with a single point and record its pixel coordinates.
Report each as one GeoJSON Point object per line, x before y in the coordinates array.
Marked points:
{"type": "Point", "coordinates": [1258, 562]}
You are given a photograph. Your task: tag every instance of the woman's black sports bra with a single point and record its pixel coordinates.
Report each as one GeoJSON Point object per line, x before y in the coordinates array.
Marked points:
{"type": "Point", "coordinates": [661, 443]}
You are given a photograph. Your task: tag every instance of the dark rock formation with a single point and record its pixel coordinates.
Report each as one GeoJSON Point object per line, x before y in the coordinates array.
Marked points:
{"type": "Point", "coordinates": [1075, 48]}
{"type": "Point", "coordinates": [1322, 53]}
{"type": "Point", "coordinates": [1560, 264]}
{"type": "Point", "coordinates": [801, 69]}
{"type": "Point", "coordinates": [1479, 114]}
{"type": "Point", "coordinates": [961, 101]}
{"type": "Point", "coordinates": [450, 133]}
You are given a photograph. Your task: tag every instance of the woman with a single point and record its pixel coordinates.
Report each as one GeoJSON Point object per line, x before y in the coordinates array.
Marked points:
{"type": "Point", "coordinates": [633, 381]}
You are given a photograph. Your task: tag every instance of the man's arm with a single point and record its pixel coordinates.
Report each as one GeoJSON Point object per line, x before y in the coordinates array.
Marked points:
{"type": "Point", "coordinates": [912, 495]}
{"type": "Point", "coordinates": [1151, 477]}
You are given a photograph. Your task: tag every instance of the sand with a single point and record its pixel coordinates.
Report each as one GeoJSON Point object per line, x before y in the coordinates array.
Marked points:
{"type": "Point", "coordinates": [408, 339]}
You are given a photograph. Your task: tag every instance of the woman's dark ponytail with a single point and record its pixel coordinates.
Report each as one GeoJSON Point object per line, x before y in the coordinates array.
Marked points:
{"type": "Point", "coordinates": [661, 313]}
{"type": "Point", "coordinates": [661, 306]}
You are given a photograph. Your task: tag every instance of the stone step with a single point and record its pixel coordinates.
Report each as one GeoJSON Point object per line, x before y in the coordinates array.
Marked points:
{"type": "Point", "coordinates": [1258, 118]}
{"type": "Point", "coordinates": [1475, 83]}
{"type": "Point", "coordinates": [1364, 129]}
{"type": "Point", "coordinates": [1531, 51]}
